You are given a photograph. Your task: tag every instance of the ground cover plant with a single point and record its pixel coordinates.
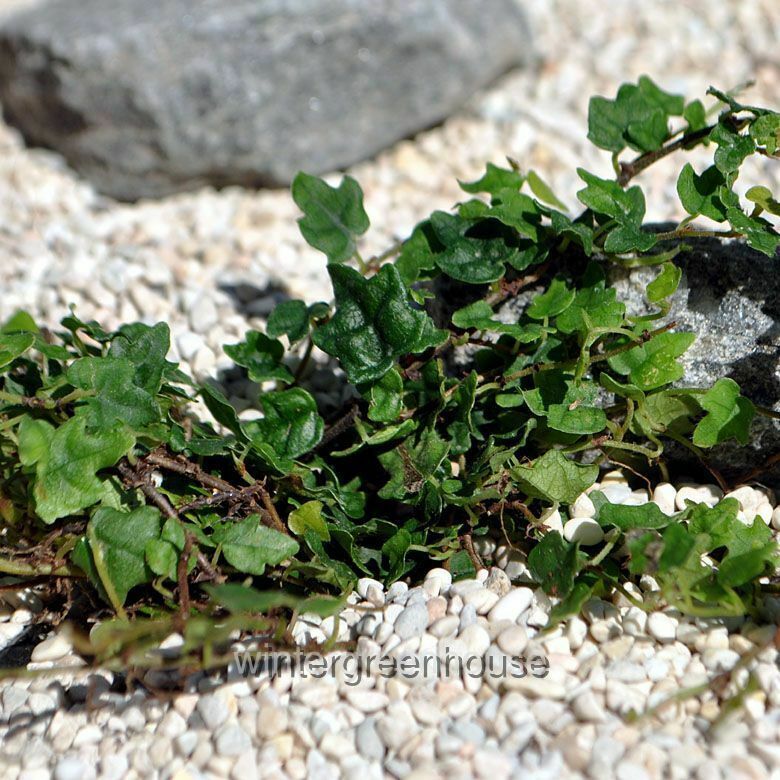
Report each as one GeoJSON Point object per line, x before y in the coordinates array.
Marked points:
{"type": "Point", "coordinates": [135, 511]}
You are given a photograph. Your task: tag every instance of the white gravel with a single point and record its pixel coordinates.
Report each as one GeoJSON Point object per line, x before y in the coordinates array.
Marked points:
{"type": "Point", "coordinates": [568, 716]}
{"type": "Point", "coordinates": [213, 264]}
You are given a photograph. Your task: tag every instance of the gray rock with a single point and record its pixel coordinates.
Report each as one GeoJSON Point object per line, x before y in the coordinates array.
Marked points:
{"type": "Point", "coordinates": [412, 621]}
{"type": "Point", "coordinates": [148, 97]}
{"type": "Point", "coordinates": [367, 739]}
{"type": "Point", "coordinates": [730, 297]}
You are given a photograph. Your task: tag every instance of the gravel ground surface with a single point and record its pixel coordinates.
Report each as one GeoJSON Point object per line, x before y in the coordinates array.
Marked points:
{"type": "Point", "coordinates": [565, 717]}
{"type": "Point", "coordinates": [213, 264]}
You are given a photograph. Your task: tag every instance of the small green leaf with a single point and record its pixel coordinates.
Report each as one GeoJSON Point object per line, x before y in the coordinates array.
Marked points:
{"type": "Point", "coordinates": [410, 465]}
{"type": "Point", "coordinates": [557, 298]}
{"type": "Point", "coordinates": [665, 284]}
{"type": "Point", "coordinates": [479, 316]}
{"type": "Point", "coordinates": [14, 345]}
{"type": "Point", "coordinates": [556, 478]}
{"type": "Point", "coordinates": [416, 256]}
{"type": "Point", "coordinates": [570, 418]}
{"type": "Point", "coordinates": [386, 398]}
{"type": "Point", "coordinates": [373, 323]}
{"type": "Point", "coordinates": [117, 397]}
{"type": "Point", "coordinates": [250, 546]}
{"type": "Point", "coordinates": [333, 217]}
{"type": "Point", "coordinates": [728, 415]}
{"type": "Point", "coordinates": [628, 238]}
{"type": "Point", "coordinates": [289, 318]}
{"type": "Point", "coordinates": [654, 364]}
{"type": "Point", "coordinates": [760, 234]}
{"type": "Point", "coordinates": [695, 115]}
{"type": "Point", "coordinates": [121, 539]}
{"type": "Point", "coordinates": [241, 599]}
{"type": "Point", "coordinates": [604, 196]}
{"type": "Point", "coordinates": [66, 478]}
{"type": "Point", "coordinates": [308, 516]}
{"type": "Point", "coordinates": [261, 356]}
{"type": "Point", "coordinates": [699, 194]}
{"type": "Point", "coordinates": [291, 425]}
{"type": "Point", "coordinates": [553, 564]}
{"type": "Point", "coordinates": [542, 190]}
{"type": "Point", "coordinates": [146, 347]}
{"type": "Point", "coordinates": [765, 131]}
{"type": "Point", "coordinates": [470, 260]}
{"type": "Point", "coordinates": [630, 518]}
{"type": "Point", "coordinates": [732, 149]}
{"type": "Point", "coordinates": [762, 196]}
{"type": "Point", "coordinates": [494, 180]}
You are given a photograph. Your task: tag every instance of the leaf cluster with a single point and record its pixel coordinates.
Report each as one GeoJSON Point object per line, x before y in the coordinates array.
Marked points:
{"type": "Point", "coordinates": [481, 420]}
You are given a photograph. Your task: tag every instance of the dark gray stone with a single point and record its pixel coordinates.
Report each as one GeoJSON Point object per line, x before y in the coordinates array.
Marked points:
{"type": "Point", "coordinates": [148, 97]}
{"type": "Point", "coordinates": [729, 297]}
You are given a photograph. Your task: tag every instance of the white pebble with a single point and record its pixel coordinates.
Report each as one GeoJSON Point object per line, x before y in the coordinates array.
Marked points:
{"type": "Point", "coordinates": [665, 495]}
{"type": "Point", "coordinates": [51, 649]}
{"type": "Point", "coordinates": [584, 530]}
{"type": "Point", "coordinates": [662, 627]}
{"type": "Point", "coordinates": [511, 606]}
{"type": "Point", "coordinates": [583, 506]}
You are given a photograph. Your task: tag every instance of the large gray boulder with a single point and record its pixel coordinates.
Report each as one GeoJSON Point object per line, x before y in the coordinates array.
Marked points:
{"type": "Point", "coordinates": [148, 97]}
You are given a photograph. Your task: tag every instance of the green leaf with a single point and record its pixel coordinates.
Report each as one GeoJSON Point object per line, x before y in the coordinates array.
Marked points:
{"type": "Point", "coordinates": [494, 180]}
{"type": "Point", "coordinates": [542, 190]}
{"type": "Point", "coordinates": [289, 318]}
{"type": "Point", "coordinates": [308, 516]}
{"type": "Point", "coordinates": [250, 546]}
{"type": "Point", "coordinates": [699, 194]}
{"type": "Point", "coordinates": [241, 599]}
{"type": "Point", "coordinates": [221, 409]}
{"type": "Point", "coordinates": [579, 232]}
{"type": "Point", "coordinates": [411, 465]}
{"type": "Point", "coordinates": [66, 480]}
{"type": "Point", "coordinates": [291, 425]}
{"type": "Point", "coordinates": [117, 544]}
{"type": "Point", "coordinates": [665, 284]}
{"type": "Point", "coordinates": [386, 398]}
{"type": "Point", "coordinates": [479, 316]}
{"type": "Point", "coordinates": [765, 131]}
{"type": "Point", "coordinates": [695, 115]}
{"type": "Point", "coordinates": [117, 398]}
{"type": "Point", "coordinates": [595, 305]}
{"type": "Point", "coordinates": [333, 217]}
{"type": "Point", "coordinates": [146, 348]}
{"type": "Point", "coordinates": [373, 324]}
{"type": "Point", "coordinates": [732, 149]}
{"type": "Point", "coordinates": [261, 356]}
{"type": "Point", "coordinates": [556, 478]}
{"type": "Point", "coordinates": [470, 260]}
{"type": "Point", "coordinates": [654, 363]}
{"type": "Point", "coordinates": [416, 255]}
{"type": "Point", "coordinates": [604, 196]}
{"type": "Point", "coordinates": [628, 238]}
{"type": "Point", "coordinates": [638, 117]}
{"type": "Point", "coordinates": [20, 321]}
{"type": "Point", "coordinates": [553, 564]}
{"type": "Point", "coordinates": [557, 298]}
{"type": "Point", "coordinates": [760, 233]}
{"type": "Point", "coordinates": [728, 415]}
{"type": "Point", "coordinates": [762, 196]}
{"type": "Point", "coordinates": [14, 345]}
{"type": "Point", "coordinates": [630, 518]}
{"type": "Point", "coordinates": [519, 211]}
{"type": "Point", "coordinates": [570, 418]}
